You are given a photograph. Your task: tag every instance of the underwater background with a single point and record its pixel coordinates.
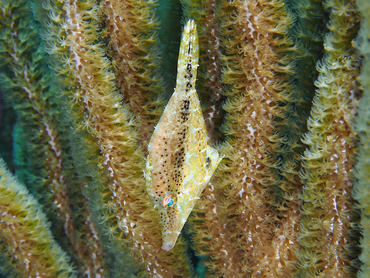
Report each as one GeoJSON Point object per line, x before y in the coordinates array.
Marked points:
{"type": "Point", "coordinates": [285, 92]}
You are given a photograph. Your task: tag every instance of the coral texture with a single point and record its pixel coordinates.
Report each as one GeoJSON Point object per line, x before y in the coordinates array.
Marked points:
{"type": "Point", "coordinates": [280, 84]}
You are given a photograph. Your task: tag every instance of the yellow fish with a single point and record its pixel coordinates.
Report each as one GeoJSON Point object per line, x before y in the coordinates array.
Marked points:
{"type": "Point", "coordinates": [180, 162]}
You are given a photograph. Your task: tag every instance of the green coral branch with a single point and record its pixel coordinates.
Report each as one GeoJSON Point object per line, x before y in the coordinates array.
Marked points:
{"type": "Point", "coordinates": [25, 235]}
{"type": "Point", "coordinates": [308, 33]}
{"type": "Point", "coordinates": [303, 47]}
{"type": "Point", "coordinates": [328, 161]}
{"type": "Point", "coordinates": [361, 187]}
{"type": "Point", "coordinates": [40, 152]}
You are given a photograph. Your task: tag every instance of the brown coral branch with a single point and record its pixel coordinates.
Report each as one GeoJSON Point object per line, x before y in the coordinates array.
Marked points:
{"type": "Point", "coordinates": [255, 70]}
{"type": "Point", "coordinates": [132, 28]}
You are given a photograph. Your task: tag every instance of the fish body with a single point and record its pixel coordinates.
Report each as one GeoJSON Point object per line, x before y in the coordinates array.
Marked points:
{"type": "Point", "coordinates": [180, 162]}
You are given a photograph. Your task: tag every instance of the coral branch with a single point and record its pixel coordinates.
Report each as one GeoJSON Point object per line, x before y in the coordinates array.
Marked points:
{"type": "Point", "coordinates": [361, 186]}
{"type": "Point", "coordinates": [126, 214]}
{"type": "Point", "coordinates": [29, 87]}
{"type": "Point", "coordinates": [25, 235]}
{"type": "Point", "coordinates": [255, 71]}
{"type": "Point", "coordinates": [328, 161]}
{"type": "Point", "coordinates": [133, 40]}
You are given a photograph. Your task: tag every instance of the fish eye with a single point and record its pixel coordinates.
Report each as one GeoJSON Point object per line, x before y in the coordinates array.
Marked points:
{"type": "Point", "coordinates": [169, 201]}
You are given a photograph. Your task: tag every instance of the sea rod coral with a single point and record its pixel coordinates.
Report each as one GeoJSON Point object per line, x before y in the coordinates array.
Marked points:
{"type": "Point", "coordinates": [284, 91]}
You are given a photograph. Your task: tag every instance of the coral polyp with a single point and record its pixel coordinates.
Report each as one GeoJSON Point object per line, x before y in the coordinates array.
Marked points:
{"type": "Point", "coordinates": [131, 188]}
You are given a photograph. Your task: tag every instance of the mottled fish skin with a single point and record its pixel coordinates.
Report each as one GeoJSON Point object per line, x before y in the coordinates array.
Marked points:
{"type": "Point", "coordinates": [180, 162]}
